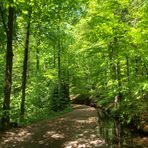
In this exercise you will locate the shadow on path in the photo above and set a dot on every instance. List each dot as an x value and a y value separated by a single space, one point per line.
77 129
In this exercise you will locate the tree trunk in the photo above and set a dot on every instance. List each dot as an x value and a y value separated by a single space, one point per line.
8 72
59 51
59 63
38 60
119 80
128 75
54 56
25 64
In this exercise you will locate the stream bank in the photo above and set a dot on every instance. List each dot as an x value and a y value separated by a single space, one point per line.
137 124
117 134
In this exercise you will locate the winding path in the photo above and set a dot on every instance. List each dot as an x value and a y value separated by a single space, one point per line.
77 129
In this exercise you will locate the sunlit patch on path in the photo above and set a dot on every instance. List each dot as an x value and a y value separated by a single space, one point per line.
77 129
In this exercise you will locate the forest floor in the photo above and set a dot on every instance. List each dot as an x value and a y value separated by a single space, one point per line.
76 129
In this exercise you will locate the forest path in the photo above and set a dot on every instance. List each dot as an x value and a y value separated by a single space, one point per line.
77 129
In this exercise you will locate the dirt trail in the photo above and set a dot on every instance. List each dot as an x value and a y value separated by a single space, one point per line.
77 129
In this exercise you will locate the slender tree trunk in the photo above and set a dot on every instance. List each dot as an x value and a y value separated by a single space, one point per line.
38 60
110 60
128 75
68 77
119 80
118 71
59 62
25 64
59 51
54 56
8 72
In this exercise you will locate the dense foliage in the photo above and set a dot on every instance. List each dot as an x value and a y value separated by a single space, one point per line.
112 55
63 48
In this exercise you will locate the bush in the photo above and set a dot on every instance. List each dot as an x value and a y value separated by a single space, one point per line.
59 100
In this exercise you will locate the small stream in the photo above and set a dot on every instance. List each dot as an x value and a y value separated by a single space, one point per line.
116 136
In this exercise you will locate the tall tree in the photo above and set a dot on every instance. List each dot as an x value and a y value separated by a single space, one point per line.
59 48
25 64
9 62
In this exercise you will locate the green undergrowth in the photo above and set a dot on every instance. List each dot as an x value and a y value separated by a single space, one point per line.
43 114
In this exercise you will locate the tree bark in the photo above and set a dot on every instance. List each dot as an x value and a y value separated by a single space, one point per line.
59 63
38 60
54 56
8 72
25 65
119 80
59 51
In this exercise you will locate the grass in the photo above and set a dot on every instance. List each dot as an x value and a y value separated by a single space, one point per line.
37 115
